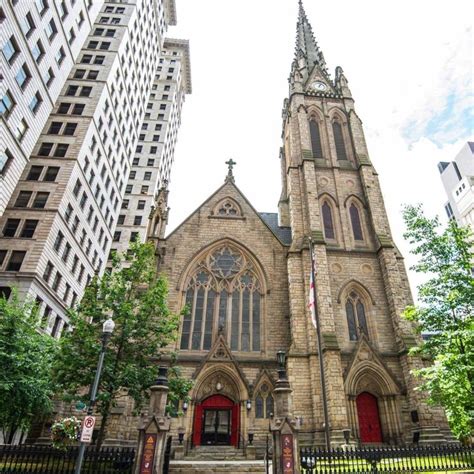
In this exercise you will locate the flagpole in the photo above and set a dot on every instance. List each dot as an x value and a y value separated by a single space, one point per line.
320 352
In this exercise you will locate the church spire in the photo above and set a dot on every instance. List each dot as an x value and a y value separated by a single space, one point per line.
307 52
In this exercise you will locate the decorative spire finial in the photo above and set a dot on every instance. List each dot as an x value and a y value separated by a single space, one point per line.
307 49
230 175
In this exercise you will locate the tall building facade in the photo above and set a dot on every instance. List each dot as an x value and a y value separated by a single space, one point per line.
458 181
154 153
40 42
59 222
244 277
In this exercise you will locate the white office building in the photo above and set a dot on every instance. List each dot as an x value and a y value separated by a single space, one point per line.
40 41
458 181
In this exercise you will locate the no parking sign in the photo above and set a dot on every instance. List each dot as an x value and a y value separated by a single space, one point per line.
87 429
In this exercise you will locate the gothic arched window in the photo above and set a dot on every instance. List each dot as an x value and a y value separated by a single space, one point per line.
264 402
327 221
223 295
315 139
355 221
356 318
339 141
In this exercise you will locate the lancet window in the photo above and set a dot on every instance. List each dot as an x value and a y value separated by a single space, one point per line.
223 296
355 221
315 139
264 402
356 318
328 221
339 141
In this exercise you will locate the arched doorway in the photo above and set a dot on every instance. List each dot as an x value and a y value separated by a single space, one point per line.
369 419
216 422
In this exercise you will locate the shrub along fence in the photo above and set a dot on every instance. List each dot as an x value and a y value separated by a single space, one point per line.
26 459
387 460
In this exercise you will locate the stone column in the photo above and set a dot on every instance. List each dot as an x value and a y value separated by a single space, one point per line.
153 429
284 428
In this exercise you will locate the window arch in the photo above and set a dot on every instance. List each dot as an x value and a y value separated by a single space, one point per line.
315 134
355 222
328 221
356 316
223 295
264 402
339 140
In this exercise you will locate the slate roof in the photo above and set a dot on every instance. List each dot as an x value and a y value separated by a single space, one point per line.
283 233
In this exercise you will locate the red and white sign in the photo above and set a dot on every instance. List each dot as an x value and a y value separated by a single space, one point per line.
87 429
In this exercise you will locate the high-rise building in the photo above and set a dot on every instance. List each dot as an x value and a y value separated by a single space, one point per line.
458 181
59 223
154 152
40 41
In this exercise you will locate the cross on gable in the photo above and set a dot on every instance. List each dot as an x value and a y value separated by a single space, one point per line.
231 163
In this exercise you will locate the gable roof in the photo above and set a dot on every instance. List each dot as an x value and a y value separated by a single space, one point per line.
269 219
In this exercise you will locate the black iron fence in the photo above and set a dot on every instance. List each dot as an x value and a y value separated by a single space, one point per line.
26 459
387 460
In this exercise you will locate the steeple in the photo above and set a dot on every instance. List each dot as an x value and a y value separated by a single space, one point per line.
307 52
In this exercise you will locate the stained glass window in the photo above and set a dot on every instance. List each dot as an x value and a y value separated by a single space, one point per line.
264 402
223 296
339 141
259 407
327 221
356 318
315 139
355 221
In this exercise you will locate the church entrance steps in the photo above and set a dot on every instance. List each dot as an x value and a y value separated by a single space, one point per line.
216 467
215 453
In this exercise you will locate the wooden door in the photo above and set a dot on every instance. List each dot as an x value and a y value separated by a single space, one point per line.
369 419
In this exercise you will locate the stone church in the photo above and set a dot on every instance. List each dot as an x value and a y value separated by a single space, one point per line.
244 276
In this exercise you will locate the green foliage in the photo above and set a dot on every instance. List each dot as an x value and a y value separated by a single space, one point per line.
179 390
26 357
446 314
135 296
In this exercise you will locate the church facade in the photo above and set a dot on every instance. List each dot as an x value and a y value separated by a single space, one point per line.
244 278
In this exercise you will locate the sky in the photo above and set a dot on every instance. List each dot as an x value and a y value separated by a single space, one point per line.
409 64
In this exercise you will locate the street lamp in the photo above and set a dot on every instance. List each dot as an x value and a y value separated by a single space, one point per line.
281 358
107 329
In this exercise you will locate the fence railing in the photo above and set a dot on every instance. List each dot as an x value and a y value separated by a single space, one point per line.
47 460
387 460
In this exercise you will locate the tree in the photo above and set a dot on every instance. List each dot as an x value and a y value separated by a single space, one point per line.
26 357
135 295
445 314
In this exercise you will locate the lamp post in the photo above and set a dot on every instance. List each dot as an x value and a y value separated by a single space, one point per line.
107 329
281 359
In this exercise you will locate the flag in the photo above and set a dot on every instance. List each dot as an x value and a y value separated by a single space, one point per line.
312 303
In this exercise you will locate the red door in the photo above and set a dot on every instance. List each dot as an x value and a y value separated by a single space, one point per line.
215 408
369 420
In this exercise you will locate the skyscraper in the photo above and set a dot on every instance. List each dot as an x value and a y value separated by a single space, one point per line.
40 42
154 152
59 223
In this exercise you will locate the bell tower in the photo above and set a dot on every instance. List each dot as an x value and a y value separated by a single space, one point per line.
331 192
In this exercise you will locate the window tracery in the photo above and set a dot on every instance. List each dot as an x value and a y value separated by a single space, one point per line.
227 208
264 402
223 295
356 316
